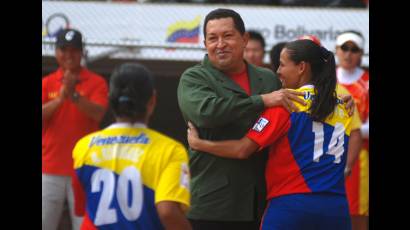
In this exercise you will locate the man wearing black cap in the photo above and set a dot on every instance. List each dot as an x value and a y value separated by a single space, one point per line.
74 100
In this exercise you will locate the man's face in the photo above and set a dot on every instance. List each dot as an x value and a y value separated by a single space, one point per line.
225 45
349 55
69 58
254 52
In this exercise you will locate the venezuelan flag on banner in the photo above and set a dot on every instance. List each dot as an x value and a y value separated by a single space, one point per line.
184 31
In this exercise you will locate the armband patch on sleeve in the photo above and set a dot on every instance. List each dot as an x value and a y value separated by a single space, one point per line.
185 176
260 124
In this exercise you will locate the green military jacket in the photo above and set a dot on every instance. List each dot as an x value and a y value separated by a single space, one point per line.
224 189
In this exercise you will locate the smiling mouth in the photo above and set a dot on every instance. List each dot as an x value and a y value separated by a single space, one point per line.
222 51
222 54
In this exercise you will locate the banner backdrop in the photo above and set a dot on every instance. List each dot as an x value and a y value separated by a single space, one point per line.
162 25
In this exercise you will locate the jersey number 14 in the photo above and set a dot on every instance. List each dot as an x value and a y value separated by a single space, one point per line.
335 146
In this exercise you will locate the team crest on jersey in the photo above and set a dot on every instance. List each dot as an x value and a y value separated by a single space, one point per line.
260 124
307 95
185 176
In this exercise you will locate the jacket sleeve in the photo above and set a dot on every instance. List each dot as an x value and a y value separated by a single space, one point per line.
200 103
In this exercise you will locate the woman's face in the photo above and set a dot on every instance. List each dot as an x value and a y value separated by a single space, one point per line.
349 55
289 72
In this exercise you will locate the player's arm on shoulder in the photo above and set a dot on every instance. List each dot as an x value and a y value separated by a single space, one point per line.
237 149
347 98
349 103
172 216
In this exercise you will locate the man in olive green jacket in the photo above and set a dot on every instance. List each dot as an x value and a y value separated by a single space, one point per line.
227 193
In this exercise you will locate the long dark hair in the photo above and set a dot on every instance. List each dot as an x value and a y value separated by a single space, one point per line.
323 68
131 86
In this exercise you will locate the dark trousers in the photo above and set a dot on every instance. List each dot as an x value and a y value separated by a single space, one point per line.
224 225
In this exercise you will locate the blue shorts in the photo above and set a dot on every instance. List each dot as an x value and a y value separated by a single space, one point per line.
307 211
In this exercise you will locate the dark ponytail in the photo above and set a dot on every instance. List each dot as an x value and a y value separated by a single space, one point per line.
325 88
323 69
131 86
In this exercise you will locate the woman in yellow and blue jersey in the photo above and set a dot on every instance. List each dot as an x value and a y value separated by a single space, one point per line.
128 176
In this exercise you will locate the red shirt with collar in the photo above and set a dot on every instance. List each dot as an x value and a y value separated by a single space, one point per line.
242 80
68 124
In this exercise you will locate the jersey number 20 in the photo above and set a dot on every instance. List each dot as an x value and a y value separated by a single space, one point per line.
129 176
335 146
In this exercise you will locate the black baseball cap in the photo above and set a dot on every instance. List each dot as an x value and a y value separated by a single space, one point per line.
69 37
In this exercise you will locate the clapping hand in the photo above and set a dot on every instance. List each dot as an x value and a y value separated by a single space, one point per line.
69 81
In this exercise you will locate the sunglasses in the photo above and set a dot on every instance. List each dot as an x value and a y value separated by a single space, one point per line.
353 49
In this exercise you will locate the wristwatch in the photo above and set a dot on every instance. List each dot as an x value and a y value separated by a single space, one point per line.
75 97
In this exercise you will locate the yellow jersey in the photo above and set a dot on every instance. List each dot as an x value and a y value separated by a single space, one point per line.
123 171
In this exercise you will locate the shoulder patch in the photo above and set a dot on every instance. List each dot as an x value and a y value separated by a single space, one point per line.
185 177
260 124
